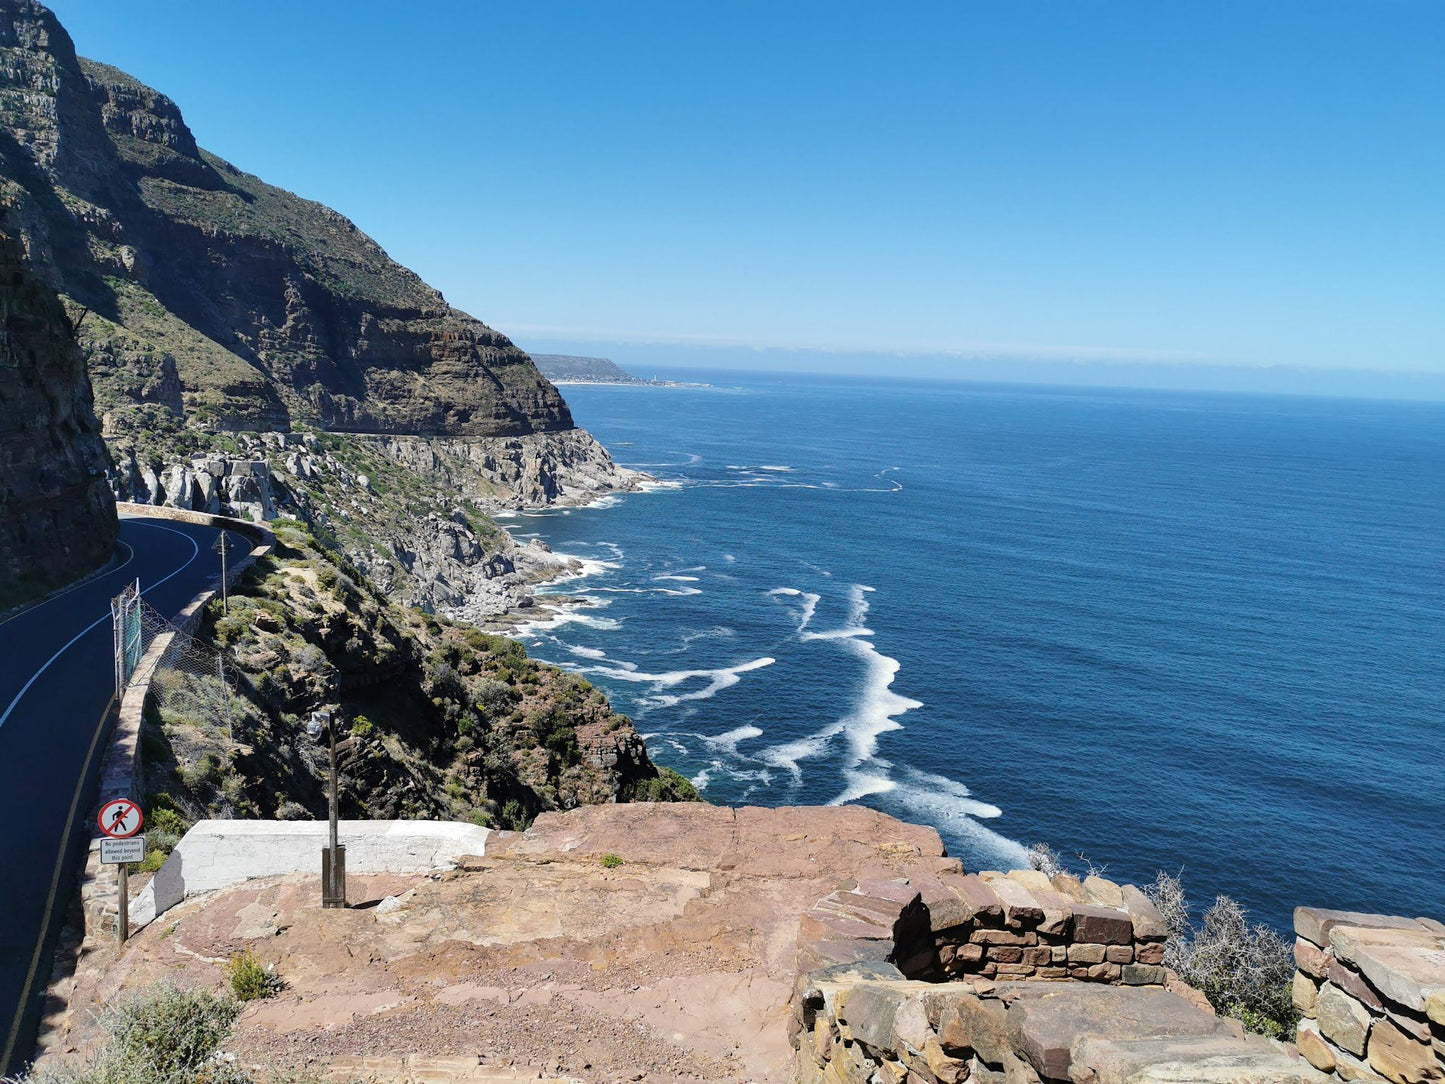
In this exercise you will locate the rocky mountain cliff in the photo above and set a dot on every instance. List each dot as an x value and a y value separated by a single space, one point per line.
57 516
214 308
213 292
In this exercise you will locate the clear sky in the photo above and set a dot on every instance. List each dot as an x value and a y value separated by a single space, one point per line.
1241 183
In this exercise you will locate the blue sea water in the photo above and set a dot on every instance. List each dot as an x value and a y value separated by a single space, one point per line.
1196 633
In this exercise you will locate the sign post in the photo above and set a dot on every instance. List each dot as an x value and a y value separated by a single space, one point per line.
120 819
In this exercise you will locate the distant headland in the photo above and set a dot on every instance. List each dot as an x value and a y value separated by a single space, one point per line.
573 369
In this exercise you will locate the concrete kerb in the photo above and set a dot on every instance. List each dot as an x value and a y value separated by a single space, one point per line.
121 764
217 854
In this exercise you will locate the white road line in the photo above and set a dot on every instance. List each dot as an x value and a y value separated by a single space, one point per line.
83 583
195 552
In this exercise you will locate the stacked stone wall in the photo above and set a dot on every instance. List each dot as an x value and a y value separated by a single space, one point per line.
1019 925
1370 990
872 1027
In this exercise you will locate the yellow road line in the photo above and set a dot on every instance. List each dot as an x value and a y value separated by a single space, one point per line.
54 890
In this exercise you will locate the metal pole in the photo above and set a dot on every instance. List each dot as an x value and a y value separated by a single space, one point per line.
333 803
225 695
122 925
225 599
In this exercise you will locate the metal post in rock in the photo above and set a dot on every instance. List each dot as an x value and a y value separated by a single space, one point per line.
333 857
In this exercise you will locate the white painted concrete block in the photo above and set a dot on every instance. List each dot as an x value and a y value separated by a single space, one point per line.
218 854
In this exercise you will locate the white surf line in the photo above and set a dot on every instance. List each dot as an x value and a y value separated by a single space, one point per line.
195 552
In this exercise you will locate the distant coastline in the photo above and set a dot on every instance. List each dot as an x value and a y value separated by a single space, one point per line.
572 369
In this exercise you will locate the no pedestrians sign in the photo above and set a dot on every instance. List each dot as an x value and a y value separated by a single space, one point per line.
120 818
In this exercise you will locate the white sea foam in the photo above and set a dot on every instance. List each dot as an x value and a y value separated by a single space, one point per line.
679 579
875 707
679 591
717 632
587 652
729 742
571 615
805 612
717 681
779 470
861 784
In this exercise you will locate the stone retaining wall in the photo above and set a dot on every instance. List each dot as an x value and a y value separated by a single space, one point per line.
120 767
1371 991
868 1025
1019 925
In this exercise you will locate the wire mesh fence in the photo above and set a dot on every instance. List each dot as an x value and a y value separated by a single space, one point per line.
190 682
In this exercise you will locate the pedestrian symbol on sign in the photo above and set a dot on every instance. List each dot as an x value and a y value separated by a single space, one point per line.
120 818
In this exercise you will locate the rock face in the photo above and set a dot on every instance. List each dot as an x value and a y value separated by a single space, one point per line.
57 516
214 292
408 511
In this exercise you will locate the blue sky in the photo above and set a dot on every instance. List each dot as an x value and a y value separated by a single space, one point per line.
1240 184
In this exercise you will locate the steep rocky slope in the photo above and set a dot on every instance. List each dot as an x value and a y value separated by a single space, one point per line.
444 720
268 308
57 517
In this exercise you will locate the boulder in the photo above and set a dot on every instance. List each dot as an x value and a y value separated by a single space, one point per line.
1102 925
1314 923
1314 1049
1303 994
1342 1019
1019 906
978 1025
869 1011
1399 1058
1149 924
1045 1029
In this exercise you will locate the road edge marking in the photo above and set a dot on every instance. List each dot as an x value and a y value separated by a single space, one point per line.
86 581
195 552
26 990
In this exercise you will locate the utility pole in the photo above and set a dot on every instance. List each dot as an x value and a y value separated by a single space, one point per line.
221 546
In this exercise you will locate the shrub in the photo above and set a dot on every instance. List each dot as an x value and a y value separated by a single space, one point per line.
250 978
514 816
362 727
170 1037
1046 860
611 861
1245 971
666 786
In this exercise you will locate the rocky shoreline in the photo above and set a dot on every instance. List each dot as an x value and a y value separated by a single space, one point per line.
412 513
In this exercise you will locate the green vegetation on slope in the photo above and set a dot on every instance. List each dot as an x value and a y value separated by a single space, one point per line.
442 720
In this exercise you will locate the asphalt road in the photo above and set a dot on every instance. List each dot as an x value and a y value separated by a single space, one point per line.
57 701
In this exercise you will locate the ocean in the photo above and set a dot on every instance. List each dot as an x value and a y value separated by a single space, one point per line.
1198 633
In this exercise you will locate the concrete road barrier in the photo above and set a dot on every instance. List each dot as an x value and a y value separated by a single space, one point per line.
218 854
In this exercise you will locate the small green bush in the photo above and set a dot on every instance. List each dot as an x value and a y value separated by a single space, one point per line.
611 861
514 816
362 727
250 978
170 1037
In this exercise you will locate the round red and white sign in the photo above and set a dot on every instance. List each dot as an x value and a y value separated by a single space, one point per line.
120 818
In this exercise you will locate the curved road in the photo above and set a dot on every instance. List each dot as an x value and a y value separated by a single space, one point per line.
57 700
